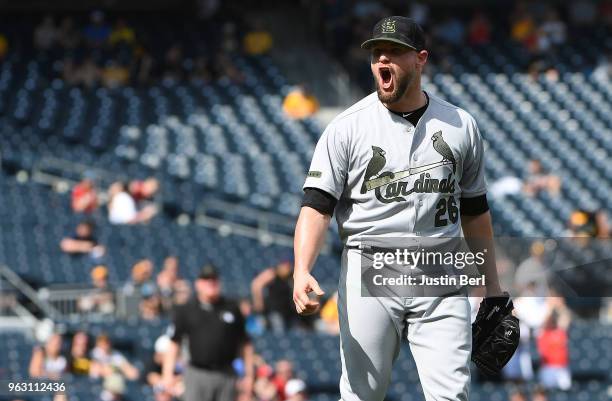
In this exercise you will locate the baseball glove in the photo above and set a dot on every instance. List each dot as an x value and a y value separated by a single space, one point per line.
495 334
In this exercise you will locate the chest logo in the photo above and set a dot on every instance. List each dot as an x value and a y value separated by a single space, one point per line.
228 317
375 179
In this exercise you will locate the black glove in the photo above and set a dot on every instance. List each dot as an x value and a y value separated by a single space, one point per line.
495 334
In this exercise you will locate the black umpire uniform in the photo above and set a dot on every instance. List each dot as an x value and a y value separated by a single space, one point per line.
216 334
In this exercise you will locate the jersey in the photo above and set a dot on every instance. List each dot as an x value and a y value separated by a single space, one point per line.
393 179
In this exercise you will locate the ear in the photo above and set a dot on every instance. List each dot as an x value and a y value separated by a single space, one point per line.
422 58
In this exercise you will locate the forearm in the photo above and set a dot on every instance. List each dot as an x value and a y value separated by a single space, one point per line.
248 357
478 232
170 360
309 238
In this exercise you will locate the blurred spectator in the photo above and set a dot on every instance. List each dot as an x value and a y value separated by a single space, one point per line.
45 34
582 12
518 395
106 361
122 207
182 292
101 298
283 372
173 63
97 32
272 291
295 390
83 241
523 28
225 69
419 12
263 388
583 223
68 37
479 30
229 41
253 324
539 394
144 190
3 46
113 388
168 283
257 41
48 362
552 32
202 70
153 372
87 74
140 292
216 335
450 30
533 271
505 186
299 103
114 74
553 346
329 316
79 362
603 71
537 180
84 197
122 34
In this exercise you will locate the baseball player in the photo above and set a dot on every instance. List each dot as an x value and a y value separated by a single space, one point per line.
399 163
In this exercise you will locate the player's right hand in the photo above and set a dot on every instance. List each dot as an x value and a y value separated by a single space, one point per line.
304 284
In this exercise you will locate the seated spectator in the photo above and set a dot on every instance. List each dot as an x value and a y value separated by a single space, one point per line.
299 103
96 34
258 41
225 68
537 180
106 361
84 198
253 323
122 207
295 390
166 282
479 31
532 271
122 34
150 308
518 395
78 358
4 47
141 283
114 74
523 28
173 63
553 346
83 241
101 298
45 34
87 74
153 372
264 389
68 37
182 292
283 372
583 223
144 190
330 322
552 32
272 291
48 362
113 388
539 394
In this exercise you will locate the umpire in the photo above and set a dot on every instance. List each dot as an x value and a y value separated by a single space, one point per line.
215 330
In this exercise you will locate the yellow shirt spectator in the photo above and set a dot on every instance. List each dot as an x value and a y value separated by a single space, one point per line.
257 42
299 104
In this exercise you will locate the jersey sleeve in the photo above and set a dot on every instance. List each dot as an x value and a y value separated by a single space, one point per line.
329 166
473 182
179 327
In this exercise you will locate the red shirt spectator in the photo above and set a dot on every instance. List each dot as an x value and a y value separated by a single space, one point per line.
552 344
84 197
479 30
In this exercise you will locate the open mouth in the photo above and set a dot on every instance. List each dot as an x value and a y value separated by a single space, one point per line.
386 77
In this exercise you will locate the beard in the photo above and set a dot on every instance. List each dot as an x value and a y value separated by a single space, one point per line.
401 86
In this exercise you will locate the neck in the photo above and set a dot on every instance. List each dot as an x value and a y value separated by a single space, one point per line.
413 99
206 299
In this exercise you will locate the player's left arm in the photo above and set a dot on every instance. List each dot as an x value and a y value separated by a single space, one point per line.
478 232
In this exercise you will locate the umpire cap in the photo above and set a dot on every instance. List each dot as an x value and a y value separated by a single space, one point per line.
401 30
